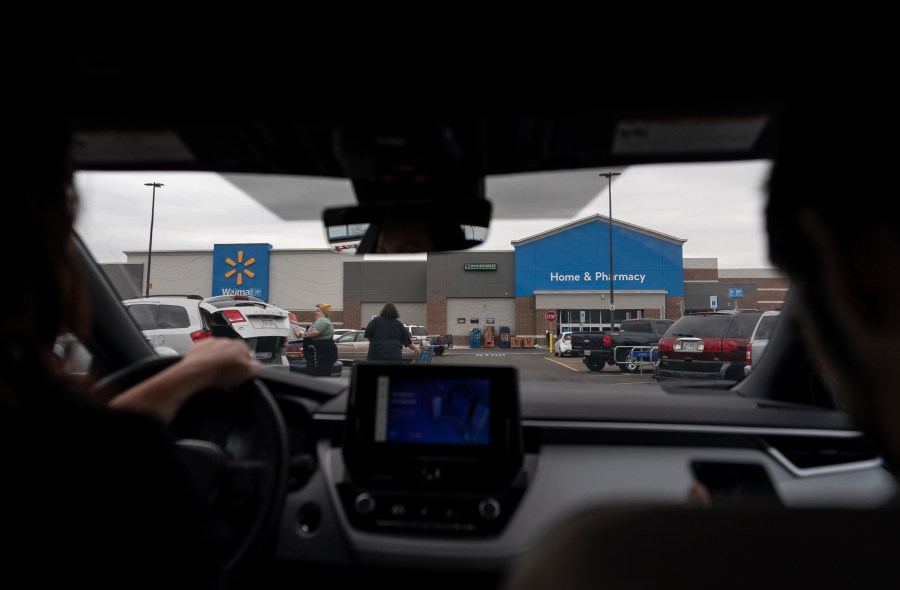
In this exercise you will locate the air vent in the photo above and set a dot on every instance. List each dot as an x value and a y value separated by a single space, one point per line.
813 455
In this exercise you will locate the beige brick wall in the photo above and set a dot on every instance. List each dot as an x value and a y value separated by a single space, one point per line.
352 317
673 311
436 322
525 315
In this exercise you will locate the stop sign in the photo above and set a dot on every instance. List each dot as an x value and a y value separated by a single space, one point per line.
551 316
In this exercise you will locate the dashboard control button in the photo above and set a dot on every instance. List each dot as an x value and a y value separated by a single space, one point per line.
364 503
489 508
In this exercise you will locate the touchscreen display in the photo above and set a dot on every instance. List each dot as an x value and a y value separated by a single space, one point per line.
439 411
433 427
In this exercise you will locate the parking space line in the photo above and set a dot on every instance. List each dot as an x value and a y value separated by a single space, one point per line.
561 364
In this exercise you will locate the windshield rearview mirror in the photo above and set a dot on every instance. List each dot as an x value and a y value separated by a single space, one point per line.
408 227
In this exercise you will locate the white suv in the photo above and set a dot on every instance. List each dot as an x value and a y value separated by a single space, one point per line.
419 335
562 346
177 321
759 339
170 321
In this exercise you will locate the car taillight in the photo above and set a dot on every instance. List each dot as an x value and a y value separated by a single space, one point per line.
234 316
666 344
293 350
607 341
200 335
749 358
712 344
733 344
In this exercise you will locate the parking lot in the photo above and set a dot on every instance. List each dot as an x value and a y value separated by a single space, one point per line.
539 364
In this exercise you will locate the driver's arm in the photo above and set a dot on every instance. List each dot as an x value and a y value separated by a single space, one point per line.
212 363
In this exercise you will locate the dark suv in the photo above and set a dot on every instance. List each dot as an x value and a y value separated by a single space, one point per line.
709 345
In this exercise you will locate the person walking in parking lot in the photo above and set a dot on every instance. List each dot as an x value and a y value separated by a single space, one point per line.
387 336
319 348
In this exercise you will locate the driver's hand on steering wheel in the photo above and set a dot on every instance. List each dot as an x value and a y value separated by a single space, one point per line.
221 363
212 363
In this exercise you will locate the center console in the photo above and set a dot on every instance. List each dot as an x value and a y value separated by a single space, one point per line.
432 449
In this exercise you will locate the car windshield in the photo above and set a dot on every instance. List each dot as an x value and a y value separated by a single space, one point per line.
686 238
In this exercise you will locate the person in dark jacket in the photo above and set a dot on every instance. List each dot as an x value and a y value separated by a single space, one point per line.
387 336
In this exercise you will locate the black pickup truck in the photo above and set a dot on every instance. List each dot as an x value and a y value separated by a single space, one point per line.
617 347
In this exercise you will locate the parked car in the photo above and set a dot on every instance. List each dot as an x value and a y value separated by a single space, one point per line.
708 345
419 334
354 346
171 321
293 350
338 332
759 339
263 326
439 343
562 346
177 321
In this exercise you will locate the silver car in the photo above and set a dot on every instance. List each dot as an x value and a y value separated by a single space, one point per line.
759 339
354 346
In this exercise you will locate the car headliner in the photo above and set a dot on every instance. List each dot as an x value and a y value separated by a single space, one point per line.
686 97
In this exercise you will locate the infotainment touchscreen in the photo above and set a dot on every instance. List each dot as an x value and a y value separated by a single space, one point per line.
432 410
441 427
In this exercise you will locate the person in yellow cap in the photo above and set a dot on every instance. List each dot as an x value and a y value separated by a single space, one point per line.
319 348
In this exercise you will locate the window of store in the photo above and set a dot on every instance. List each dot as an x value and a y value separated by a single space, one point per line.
591 320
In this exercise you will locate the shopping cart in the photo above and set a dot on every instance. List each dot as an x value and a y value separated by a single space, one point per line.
424 357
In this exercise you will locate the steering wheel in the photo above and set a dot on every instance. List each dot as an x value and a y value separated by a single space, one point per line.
235 444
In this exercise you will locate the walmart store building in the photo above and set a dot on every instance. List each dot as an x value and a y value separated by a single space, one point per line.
565 270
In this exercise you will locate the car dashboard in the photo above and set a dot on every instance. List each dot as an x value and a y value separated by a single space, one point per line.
579 448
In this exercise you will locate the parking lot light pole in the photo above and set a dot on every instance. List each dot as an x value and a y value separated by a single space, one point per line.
612 295
155 185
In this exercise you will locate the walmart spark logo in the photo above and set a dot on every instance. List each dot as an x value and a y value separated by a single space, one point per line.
243 270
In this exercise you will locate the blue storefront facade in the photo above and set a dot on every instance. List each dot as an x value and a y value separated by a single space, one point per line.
566 270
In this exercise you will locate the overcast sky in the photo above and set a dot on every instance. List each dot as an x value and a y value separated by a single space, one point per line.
717 208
